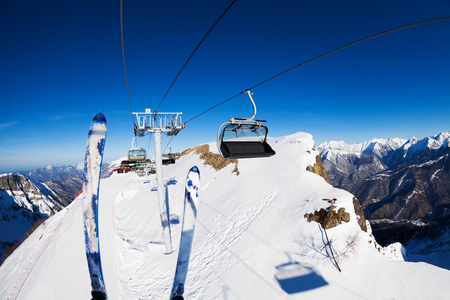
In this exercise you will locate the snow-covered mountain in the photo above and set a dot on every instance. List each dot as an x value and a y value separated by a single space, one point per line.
394 179
22 203
28 197
55 173
258 237
346 164
66 181
394 173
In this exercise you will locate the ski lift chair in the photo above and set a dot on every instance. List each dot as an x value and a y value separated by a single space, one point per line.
137 154
168 159
243 138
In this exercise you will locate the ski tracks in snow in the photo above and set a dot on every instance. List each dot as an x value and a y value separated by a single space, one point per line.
138 234
220 249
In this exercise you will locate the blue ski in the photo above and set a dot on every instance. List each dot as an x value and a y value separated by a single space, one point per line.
191 197
91 183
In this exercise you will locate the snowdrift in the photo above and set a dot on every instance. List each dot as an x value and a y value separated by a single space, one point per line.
252 240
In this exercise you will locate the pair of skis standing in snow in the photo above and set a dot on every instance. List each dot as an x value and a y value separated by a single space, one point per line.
91 180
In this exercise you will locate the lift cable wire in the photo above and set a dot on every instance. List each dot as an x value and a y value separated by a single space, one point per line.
322 55
211 108
149 142
168 143
192 54
123 56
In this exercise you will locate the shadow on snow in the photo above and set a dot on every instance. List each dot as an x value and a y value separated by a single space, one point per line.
293 277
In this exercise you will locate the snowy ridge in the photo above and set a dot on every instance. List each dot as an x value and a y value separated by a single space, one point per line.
252 240
383 147
31 195
55 173
380 146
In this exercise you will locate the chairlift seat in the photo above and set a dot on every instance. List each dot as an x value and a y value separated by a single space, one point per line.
168 159
247 149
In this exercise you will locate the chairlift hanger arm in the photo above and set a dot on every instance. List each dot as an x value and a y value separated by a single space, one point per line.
247 120
253 103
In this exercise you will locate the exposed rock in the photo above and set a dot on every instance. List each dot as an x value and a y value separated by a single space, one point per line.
211 159
329 218
359 214
319 168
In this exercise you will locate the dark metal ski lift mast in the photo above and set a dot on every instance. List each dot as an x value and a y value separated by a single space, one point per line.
243 137
156 122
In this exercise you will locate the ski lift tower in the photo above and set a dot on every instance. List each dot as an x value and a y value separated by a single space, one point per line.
156 122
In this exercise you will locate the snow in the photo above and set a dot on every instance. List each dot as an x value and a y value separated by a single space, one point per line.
251 240
382 147
364 147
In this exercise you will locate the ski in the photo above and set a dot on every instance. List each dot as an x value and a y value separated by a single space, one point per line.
91 183
191 197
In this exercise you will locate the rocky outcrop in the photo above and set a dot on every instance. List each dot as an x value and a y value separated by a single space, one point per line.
213 160
360 214
329 217
319 168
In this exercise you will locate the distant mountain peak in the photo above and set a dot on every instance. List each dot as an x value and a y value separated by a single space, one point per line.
380 147
393 178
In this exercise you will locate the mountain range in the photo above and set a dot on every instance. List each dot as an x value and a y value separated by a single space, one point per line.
28 198
399 183
22 204
66 181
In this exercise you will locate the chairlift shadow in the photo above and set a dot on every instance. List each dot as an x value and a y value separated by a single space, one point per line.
294 277
174 219
171 181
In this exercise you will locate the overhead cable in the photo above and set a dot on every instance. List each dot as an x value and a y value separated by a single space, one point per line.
192 54
123 56
317 57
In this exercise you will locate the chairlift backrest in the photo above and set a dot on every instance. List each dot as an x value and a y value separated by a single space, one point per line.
136 154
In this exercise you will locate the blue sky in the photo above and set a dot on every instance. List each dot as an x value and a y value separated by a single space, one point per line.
61 63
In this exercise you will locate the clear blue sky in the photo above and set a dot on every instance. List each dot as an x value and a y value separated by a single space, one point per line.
61 63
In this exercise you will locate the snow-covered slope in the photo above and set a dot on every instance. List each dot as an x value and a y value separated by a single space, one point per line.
252 240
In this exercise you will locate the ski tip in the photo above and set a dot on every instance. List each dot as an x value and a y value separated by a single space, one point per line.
100 117
195 169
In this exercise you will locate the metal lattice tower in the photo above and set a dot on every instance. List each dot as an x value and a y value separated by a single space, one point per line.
157 123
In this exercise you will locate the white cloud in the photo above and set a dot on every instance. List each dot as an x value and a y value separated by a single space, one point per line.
8 124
